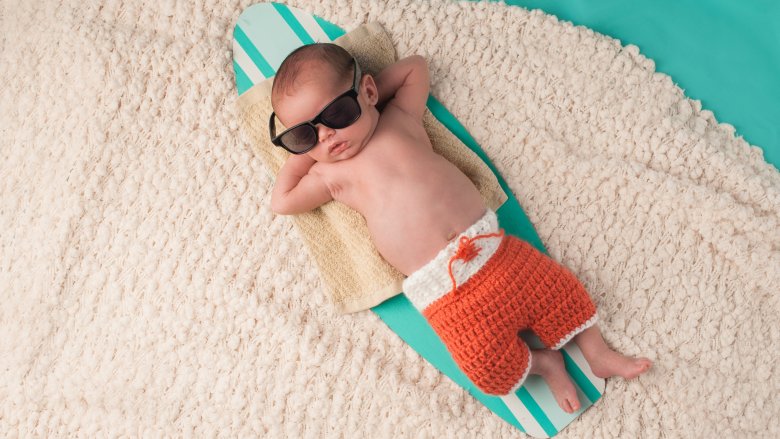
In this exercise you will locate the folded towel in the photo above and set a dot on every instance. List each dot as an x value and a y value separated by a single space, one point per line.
355 275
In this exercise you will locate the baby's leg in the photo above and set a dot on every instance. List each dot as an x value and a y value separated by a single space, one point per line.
549 364
604 361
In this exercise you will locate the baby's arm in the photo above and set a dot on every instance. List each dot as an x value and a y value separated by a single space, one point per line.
298 190
405 84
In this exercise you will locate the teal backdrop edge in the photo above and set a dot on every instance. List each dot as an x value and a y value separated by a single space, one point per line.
723 53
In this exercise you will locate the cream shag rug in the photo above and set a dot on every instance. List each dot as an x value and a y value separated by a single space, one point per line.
147 289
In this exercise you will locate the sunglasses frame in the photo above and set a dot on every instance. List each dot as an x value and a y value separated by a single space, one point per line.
352 92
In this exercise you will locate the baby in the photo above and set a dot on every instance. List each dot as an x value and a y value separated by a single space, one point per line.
360 140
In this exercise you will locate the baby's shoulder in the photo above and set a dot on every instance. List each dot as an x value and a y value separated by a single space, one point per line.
392 113
395 123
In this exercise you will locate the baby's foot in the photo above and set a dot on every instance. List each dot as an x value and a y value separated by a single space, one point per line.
614 364
549 364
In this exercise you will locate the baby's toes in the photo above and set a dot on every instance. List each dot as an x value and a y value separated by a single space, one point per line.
639 366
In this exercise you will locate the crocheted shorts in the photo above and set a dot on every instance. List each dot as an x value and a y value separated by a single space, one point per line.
503 285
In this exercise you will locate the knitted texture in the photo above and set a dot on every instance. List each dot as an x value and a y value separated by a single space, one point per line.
149 291
517 287
431 281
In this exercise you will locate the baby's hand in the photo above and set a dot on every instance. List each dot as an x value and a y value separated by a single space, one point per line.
405 84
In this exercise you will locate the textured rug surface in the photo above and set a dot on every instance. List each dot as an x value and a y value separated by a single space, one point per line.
147 289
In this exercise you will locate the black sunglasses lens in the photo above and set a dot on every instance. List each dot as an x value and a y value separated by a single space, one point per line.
341 113
300 139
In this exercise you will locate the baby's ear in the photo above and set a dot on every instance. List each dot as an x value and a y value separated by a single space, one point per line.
368 88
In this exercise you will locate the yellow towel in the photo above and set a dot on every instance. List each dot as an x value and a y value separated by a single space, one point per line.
355 275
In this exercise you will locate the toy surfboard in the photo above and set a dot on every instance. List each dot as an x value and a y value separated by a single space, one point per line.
263 36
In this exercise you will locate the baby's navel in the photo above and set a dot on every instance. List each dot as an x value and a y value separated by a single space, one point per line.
451 236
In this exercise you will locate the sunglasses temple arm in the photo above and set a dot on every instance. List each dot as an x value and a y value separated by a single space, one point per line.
358 73
272 127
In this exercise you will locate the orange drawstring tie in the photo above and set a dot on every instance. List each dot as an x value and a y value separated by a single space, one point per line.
468 251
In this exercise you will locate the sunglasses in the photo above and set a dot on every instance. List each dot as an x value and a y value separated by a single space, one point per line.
339 113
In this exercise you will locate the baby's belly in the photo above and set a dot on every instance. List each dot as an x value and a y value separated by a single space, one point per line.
410 234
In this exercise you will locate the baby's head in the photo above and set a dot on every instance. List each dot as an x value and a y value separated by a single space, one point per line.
321 84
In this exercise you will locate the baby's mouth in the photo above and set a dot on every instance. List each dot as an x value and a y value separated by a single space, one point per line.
337 148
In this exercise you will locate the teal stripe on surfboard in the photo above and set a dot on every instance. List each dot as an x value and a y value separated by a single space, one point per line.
291 21
311 26
253 53
538 413
576 369
331 29
242 80
269 33
265 33
544 397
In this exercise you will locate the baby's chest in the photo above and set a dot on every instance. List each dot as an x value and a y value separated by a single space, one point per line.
374 176
391 165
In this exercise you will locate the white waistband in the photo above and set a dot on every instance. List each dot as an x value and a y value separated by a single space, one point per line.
432 280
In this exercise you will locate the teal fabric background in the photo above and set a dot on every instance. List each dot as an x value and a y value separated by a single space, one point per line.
725 53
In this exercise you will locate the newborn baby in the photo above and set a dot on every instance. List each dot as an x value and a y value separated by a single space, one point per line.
360 140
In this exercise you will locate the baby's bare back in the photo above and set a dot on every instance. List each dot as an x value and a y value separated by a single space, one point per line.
414 200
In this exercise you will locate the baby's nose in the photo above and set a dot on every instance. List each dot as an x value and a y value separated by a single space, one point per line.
324 132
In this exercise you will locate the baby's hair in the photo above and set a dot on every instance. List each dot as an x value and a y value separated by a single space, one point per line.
330 54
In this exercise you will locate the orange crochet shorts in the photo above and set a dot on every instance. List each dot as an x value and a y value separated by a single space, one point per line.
484 288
